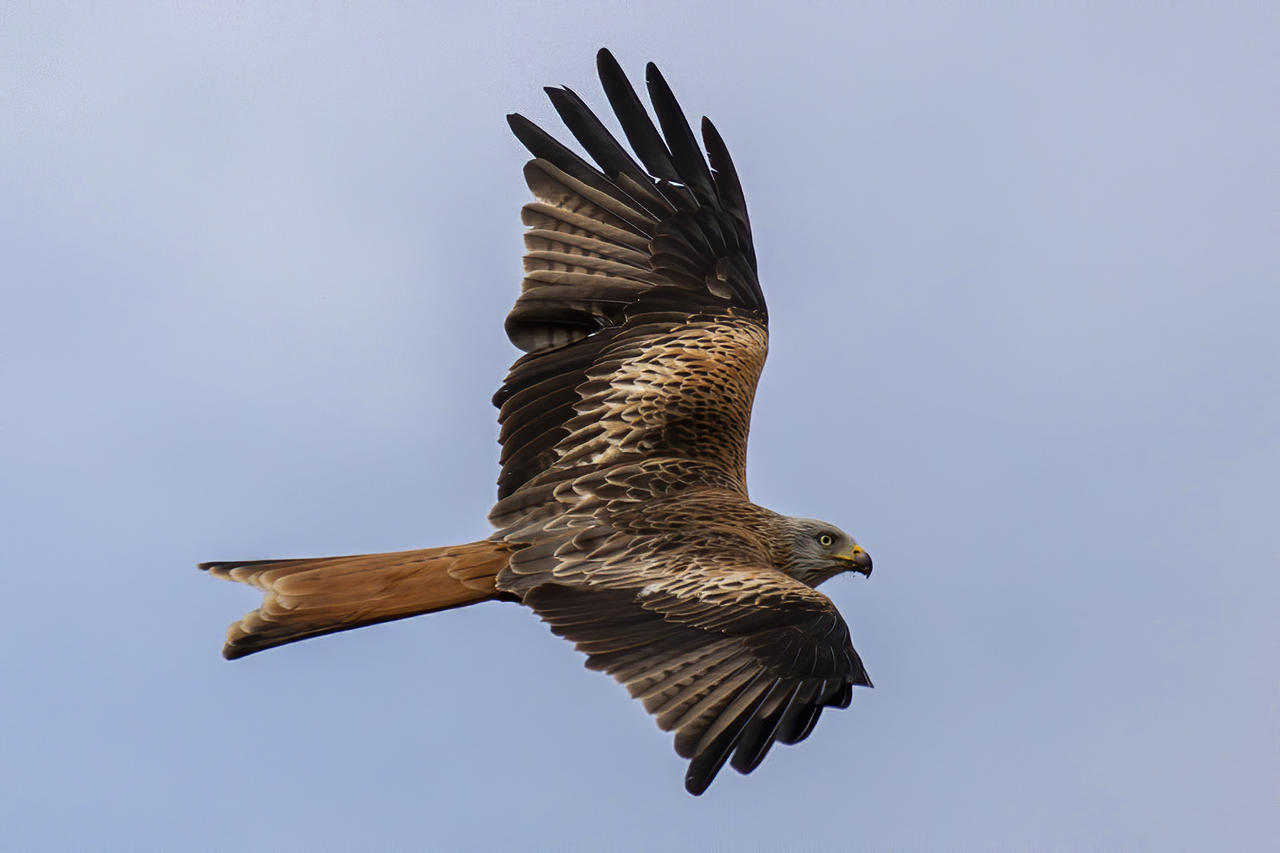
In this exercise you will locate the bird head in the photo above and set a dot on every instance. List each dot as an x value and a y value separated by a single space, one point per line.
820 551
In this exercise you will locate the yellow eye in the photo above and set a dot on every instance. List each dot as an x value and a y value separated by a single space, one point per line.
826 540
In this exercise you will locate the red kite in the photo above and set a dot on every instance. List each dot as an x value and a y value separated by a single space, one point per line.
622 517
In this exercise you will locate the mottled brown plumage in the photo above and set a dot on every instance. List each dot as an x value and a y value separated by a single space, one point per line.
622 517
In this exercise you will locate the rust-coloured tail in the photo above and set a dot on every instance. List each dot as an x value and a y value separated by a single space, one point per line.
307 598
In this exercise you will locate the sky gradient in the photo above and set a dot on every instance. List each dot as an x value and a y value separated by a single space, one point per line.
1022 271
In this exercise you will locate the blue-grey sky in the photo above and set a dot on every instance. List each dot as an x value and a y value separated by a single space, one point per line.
1022 266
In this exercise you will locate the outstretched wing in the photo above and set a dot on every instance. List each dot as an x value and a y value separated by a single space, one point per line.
732 660
641 315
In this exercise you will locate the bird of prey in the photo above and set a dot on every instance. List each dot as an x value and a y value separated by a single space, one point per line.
622 517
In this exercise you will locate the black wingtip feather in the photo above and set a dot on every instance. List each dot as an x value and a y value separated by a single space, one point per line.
636 124
689 162
605 150
726 174
762 732
544 146
706 765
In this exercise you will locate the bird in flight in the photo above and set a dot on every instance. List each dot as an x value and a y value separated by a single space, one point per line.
622 517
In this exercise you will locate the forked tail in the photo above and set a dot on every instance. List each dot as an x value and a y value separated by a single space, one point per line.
310 597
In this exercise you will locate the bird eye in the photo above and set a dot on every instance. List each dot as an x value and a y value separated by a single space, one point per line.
826 540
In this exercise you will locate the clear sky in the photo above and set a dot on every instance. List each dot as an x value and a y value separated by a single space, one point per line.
1024 276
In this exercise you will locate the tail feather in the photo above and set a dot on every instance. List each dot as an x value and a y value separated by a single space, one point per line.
309 597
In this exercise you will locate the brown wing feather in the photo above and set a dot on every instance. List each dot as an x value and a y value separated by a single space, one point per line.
731 660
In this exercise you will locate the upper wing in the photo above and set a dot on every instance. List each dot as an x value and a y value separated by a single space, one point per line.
641 313
732 660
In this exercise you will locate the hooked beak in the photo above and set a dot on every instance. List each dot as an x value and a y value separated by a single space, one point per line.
858 559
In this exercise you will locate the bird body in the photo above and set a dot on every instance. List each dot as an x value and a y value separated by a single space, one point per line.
622 517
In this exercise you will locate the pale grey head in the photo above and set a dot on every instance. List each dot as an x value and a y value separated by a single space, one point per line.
821 550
